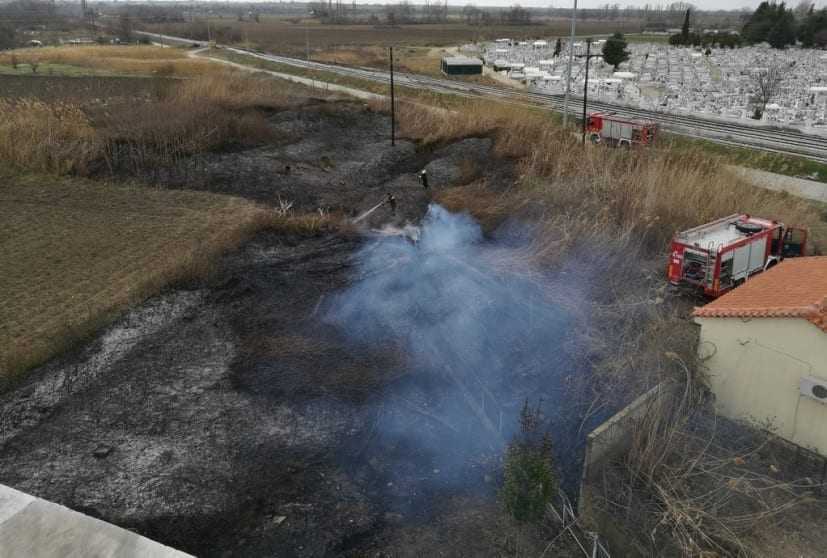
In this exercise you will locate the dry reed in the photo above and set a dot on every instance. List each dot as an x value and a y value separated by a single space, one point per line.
578 192
137 60
195 116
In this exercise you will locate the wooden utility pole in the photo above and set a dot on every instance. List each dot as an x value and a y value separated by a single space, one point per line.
393 103
588 57
306 43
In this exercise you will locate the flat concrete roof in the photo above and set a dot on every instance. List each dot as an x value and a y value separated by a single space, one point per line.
462 61
31 527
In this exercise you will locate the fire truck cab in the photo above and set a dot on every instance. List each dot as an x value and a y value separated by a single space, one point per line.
611 129
719 256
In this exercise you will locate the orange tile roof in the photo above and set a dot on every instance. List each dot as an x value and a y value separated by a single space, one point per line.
795 288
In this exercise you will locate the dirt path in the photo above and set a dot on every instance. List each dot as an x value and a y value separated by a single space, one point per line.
314 83
809 189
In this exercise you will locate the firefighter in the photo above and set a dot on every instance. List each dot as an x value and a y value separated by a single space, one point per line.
423 178
391 201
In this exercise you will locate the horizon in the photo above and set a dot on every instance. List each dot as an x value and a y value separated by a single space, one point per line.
703 5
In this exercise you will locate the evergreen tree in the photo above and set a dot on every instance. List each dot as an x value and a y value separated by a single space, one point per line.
558 46
782 32
757 28
529 480
814 23
7 35
614 50
685 28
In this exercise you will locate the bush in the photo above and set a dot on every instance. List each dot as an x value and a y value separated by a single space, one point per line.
530 481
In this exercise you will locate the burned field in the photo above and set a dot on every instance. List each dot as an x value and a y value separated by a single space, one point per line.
319 394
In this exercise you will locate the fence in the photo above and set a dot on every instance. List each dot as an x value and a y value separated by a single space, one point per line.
588 541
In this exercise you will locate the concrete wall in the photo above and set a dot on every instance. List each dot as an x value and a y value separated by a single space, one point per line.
35 528
613 437
755 366
606 442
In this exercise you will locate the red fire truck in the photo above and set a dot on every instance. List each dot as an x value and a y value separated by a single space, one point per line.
611 129
720 255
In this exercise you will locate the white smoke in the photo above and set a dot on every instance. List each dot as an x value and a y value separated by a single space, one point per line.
481 339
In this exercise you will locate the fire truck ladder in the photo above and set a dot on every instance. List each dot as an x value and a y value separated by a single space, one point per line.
709 250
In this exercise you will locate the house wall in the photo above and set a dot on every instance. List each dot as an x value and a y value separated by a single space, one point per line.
755 366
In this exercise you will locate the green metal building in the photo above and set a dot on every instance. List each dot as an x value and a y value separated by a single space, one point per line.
461 66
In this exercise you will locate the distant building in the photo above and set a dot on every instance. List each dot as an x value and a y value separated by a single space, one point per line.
461 66
765 344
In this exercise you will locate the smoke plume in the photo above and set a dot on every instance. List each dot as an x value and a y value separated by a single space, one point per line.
482 334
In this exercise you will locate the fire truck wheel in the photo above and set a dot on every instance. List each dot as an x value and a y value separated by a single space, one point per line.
595 138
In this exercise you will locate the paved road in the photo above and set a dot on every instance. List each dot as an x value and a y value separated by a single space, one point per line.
34 528
809 189
742 134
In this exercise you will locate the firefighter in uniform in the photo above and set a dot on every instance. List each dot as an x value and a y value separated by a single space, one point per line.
423 178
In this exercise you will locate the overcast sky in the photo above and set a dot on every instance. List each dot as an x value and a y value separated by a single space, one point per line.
702 4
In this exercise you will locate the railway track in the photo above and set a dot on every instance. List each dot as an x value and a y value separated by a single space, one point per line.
773 140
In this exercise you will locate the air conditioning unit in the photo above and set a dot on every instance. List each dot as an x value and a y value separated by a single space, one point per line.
814 388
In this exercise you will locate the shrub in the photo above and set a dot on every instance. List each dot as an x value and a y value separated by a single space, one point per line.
530 481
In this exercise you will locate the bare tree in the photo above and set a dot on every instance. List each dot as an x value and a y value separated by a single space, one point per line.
765 84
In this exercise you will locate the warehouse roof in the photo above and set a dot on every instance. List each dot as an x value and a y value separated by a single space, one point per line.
462 61
795 288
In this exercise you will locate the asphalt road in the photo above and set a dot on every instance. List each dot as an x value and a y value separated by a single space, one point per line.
754 136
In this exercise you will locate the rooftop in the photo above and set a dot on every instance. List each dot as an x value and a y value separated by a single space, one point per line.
462 61
795 288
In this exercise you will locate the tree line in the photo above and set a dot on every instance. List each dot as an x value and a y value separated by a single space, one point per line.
780 26
771 23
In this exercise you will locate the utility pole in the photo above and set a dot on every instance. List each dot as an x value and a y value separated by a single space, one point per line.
571 62
393 103
306 44
588 57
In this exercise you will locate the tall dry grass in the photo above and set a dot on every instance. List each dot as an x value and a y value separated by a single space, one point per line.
683 486
196 116
572 192
136 60
53 137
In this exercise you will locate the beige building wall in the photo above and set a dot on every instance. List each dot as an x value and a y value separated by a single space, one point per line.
755 368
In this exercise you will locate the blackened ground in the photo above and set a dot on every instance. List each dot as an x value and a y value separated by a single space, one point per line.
226 418
336 156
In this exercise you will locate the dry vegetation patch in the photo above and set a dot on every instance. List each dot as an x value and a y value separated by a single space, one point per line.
577 193
691 483
137 60
75 253
188 117
291 36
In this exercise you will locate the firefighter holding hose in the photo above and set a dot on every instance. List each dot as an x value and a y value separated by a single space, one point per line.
390 199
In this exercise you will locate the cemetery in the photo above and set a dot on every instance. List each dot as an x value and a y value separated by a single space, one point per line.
718 83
